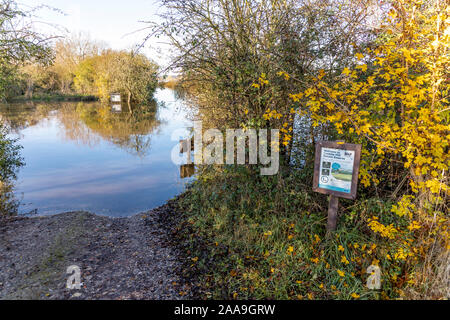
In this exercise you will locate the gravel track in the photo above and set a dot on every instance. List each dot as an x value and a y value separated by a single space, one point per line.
119 258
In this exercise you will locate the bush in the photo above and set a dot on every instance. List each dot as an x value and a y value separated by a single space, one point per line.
262 237
10 162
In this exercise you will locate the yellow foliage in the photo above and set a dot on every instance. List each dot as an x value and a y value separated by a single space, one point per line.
385 231
396 105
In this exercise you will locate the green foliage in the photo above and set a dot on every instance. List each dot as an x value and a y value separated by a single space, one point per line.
80 66
136 77
133 75
18 43
9 80
10 159
10 162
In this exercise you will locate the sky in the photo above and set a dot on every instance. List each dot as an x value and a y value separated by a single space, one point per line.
111 21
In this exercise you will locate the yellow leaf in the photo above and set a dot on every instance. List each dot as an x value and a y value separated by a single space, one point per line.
355 295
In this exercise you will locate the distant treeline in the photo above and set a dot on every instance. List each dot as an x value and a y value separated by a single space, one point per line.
79 66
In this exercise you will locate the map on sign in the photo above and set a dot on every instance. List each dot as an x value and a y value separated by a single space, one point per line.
336 169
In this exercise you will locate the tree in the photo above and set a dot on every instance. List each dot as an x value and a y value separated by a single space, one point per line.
34 75
68 54
133 75
18 43
84 76
136 77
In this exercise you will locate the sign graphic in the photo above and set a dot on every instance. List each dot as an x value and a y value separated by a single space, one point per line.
336 169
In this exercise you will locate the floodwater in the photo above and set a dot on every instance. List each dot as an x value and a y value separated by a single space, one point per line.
106 159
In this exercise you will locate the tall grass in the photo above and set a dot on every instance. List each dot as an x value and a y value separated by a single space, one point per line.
265 238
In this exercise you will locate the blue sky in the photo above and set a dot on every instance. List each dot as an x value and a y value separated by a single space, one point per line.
109 21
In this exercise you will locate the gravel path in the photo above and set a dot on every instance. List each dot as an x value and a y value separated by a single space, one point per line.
119 258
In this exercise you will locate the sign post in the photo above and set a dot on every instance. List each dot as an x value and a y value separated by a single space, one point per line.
336 168
332 213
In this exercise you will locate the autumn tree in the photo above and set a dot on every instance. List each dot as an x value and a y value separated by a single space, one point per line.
85 75
68 54
133 75
136 76
394 101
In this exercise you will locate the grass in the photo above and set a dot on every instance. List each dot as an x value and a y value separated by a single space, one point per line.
55 97
255 237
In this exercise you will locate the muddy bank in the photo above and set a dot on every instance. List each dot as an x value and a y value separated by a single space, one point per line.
119 258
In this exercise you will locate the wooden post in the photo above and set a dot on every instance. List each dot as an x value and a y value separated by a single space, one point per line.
186 145
332 213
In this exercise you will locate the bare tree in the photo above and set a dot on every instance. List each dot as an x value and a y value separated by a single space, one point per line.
222 47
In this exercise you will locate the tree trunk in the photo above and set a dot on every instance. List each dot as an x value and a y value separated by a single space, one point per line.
129 102
29 91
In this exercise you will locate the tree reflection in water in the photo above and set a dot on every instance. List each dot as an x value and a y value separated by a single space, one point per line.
89 123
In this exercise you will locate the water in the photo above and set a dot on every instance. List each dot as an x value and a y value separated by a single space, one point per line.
105 159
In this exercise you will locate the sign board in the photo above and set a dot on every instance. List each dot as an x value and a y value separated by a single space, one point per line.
336 168
116 108
115 97
187 170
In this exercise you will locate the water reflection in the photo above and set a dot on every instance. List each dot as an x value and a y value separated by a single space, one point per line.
187 170
116 108
102 158
89 123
